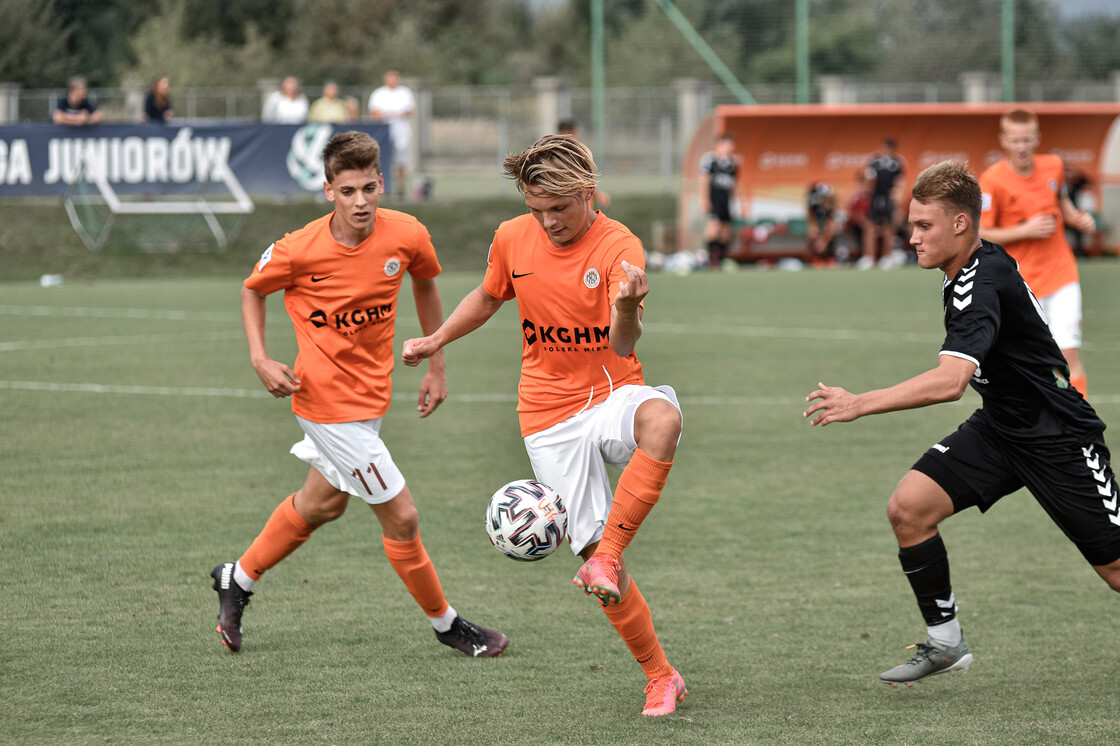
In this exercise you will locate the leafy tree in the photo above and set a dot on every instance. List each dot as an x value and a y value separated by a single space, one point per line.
98 42
33 44
1091 44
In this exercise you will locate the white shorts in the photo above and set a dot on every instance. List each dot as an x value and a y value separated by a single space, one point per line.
572 457
1063 315
352 457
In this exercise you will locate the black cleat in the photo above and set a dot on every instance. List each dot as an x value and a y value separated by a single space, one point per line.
231 602
475 641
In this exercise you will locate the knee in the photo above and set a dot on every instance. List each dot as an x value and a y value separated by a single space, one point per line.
321 510
658 428
908 516
1110 574
401 522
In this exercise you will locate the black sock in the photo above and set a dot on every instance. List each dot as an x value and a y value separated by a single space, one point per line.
927 568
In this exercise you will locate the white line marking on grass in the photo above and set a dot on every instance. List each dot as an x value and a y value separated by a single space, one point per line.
120 313
147 339
503 398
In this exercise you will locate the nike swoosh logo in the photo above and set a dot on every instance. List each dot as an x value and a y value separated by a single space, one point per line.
320 279
523 274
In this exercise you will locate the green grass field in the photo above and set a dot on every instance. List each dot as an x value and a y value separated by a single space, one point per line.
139 449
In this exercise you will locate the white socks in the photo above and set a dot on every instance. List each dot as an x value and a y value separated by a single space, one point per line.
443 623
947 634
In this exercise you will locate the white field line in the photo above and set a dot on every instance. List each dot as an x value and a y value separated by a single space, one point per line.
719 328
127 340
502 398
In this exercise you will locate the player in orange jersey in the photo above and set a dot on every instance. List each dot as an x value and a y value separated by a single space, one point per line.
1026 208
341 275
579 282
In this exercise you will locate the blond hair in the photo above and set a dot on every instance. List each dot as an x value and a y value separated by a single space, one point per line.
1018 116
557 164
954 186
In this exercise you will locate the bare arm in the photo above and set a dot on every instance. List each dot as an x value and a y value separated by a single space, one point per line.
946 382
472 312
626 313
1081 220
429 309
277 377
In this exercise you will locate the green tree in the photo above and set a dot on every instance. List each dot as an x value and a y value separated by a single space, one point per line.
33 44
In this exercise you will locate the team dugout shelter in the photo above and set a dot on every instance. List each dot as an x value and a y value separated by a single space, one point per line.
786 148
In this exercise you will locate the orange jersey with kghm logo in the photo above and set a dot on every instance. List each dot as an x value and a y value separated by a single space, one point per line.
1047 264
342 301
564 297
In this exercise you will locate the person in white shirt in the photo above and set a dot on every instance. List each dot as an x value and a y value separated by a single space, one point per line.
287 105
394 103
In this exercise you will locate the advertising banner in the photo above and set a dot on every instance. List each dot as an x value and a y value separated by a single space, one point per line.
43 159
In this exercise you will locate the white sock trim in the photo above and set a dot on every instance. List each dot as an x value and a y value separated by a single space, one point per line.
443 623
242 578
948 634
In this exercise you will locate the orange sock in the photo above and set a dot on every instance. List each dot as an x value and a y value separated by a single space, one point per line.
639 488
1081 383
634 623
411 561
281 535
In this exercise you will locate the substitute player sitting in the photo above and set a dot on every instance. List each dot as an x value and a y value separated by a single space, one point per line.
341 275
1034 429
578 279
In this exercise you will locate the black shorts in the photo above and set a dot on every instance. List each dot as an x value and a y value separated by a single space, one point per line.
721 207
882 209
1075 484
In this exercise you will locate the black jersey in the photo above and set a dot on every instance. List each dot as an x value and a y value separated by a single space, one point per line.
993 320
886 169
721 173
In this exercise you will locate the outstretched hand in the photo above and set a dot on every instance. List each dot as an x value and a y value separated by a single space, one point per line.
834 404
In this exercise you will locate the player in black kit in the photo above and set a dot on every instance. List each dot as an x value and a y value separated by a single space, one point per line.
885 169
719 169
1034 430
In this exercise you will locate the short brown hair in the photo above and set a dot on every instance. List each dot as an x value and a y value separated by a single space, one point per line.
953 185
350 151
1018 116
557 164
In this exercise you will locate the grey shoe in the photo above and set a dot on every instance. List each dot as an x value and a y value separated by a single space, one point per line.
932 658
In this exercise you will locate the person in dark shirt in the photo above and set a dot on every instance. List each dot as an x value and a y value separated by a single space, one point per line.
76 108
719 170
885 170
1034 430
157 104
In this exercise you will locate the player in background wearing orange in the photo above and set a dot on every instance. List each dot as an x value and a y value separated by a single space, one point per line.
341 275
579 282
1026 209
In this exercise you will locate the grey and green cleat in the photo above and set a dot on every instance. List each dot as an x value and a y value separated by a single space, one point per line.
932 658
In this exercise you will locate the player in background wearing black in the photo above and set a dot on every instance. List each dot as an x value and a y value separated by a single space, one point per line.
1034 430
885 169
719 171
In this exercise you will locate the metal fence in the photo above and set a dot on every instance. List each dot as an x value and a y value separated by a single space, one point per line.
472 127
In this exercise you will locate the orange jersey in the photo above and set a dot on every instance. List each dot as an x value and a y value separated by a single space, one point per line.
343 305
1010 198
564 297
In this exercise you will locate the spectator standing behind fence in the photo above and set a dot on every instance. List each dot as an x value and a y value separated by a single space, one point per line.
394 103
719 171
886 168
1025 203
287 105
329 108
157 105
77 108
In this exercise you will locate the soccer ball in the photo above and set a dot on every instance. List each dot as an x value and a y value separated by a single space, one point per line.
526 520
